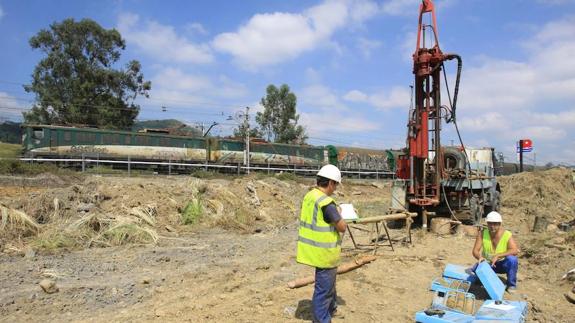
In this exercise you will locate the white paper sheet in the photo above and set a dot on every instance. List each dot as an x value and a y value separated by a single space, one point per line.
347 212
503 307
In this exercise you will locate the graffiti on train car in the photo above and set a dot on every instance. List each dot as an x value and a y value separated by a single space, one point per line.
353 160
226 156
87 149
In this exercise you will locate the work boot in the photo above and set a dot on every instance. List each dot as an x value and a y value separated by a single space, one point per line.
336 314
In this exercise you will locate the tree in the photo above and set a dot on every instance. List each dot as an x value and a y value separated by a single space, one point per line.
75 83
279 119
240 131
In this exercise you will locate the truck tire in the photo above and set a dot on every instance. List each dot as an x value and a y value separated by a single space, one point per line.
455 157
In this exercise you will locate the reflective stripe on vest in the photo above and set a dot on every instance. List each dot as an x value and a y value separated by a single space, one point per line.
318 242
501 247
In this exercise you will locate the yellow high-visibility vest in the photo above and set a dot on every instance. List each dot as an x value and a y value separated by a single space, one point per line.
319 243
488 246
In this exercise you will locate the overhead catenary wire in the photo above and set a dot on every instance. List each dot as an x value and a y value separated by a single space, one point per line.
197 102
84 105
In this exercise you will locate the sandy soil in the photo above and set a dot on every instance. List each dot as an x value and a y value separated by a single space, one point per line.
233 265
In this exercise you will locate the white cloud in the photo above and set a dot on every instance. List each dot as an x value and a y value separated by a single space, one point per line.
318 96
484 122
196 28
356 96
511 99
321 111
397 97
497 84
175 87
401 7
540 133
366 46
271 38
407 46
317 124
547 75
10 108
161 41
312 76
178 80
228 88
410 7
564 118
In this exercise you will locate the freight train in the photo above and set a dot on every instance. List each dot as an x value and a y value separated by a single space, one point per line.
50 141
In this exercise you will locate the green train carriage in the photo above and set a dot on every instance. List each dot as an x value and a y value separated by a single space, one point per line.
62 142
231 151
57 141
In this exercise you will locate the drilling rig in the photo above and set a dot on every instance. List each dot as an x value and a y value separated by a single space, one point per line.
436 179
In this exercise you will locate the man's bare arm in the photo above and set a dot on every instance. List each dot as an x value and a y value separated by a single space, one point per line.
340 225
477 246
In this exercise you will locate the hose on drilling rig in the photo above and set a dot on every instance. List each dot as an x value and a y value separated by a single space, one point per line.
453 119
457 79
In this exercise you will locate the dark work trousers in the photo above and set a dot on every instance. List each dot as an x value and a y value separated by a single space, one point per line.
508 266
323 301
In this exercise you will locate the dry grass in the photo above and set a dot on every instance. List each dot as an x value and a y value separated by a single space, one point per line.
145 213
240 219
97 229
123 233
14 221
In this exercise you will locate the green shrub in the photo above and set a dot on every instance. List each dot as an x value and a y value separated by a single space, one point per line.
52 242
285 176
200 173
192 212
17 167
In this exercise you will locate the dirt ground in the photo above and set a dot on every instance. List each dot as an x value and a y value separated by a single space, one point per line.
118 250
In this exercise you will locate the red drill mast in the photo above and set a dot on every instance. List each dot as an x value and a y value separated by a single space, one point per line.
423 164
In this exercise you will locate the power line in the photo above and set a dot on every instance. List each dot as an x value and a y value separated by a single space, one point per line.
99 106
160 99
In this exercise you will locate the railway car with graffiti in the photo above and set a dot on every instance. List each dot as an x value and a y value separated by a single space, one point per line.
50 141
62 142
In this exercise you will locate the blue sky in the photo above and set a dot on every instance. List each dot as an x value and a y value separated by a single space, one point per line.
348 62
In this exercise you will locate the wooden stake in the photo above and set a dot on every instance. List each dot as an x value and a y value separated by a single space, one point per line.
300 282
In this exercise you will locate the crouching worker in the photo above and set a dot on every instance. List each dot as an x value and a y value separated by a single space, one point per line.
319 241
497 246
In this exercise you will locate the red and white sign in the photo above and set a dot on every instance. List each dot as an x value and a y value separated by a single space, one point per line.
527 145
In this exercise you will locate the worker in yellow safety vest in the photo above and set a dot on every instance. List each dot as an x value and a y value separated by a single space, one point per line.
319 241
497 246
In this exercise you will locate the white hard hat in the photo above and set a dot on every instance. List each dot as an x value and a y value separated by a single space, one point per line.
493 217
330 172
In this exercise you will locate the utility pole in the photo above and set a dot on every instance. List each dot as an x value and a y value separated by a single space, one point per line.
521 156
247 127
